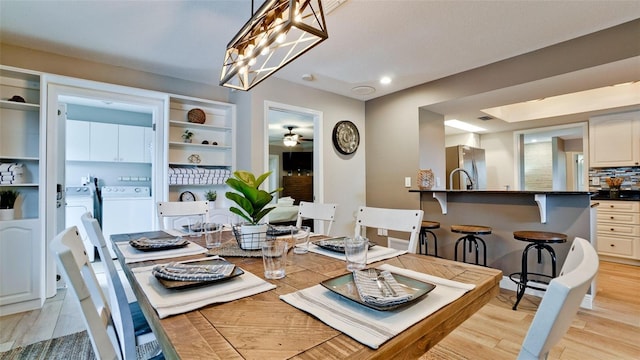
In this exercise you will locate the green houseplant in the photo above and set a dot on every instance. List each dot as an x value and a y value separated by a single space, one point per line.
7 203
211 195
187 135
251 206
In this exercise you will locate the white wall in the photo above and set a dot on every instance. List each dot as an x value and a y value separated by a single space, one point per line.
499 157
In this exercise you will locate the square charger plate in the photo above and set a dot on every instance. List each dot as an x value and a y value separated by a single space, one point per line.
178 285
335 244
345 286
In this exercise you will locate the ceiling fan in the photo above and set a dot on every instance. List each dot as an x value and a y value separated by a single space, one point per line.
291 139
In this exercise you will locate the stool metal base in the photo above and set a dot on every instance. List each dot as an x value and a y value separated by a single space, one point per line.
470 241
522 278
424 241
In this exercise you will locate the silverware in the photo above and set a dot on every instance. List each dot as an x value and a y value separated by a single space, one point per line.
373 275
382 280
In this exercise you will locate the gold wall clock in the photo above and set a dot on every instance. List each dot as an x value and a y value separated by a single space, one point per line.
346 137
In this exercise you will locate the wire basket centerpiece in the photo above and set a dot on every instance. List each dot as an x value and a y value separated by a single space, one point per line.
251 237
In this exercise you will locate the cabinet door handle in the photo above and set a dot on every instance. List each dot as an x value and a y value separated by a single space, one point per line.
611 217
612 229
612 245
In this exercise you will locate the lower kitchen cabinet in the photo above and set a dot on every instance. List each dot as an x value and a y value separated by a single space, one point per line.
20 265
618 229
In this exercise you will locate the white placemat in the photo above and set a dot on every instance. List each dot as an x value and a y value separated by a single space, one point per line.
376 253
132 254
172 302
371 327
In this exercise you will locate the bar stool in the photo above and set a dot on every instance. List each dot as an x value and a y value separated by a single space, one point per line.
425 228
538 240
470 239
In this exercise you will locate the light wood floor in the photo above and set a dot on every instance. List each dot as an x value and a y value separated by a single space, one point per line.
610 331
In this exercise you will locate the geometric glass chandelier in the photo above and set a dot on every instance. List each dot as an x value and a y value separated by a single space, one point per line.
279 32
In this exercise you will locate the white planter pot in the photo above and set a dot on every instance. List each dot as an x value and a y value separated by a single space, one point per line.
8 214
253 236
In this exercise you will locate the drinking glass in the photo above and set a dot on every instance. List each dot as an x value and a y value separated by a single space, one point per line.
301 238
355 250
274 255
213 235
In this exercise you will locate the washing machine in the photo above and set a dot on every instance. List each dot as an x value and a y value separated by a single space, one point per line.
79 200
126 209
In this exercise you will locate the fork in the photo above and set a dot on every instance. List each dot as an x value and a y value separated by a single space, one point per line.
381 279
373 275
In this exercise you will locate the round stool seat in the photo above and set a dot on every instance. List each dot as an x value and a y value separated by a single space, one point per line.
540 236
471 229
430 224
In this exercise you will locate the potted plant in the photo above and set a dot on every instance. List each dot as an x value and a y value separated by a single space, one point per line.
187 135
252 206
211 195
7 203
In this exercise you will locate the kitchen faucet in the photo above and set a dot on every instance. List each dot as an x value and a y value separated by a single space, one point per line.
469 187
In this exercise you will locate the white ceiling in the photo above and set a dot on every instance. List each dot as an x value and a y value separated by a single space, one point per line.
413 42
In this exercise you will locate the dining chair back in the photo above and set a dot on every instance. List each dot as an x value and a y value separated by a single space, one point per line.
391 219
131 326
561 301
75 266
172 214
323 213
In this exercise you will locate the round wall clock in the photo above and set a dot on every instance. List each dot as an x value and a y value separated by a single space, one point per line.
187 196
346 137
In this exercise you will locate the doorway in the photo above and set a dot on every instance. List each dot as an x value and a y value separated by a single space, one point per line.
552 158
298 162
59 91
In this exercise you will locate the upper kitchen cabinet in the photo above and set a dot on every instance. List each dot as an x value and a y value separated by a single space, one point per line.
94 141
614 140
208 157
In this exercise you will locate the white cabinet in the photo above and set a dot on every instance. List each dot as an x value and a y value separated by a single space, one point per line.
618 229
114 142
104 142
21 240
78 140
206 165
614 140
20 248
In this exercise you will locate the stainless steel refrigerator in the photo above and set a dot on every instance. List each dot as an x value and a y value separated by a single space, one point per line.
471 160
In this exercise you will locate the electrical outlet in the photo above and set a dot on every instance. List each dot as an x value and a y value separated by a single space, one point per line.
382 232
407 181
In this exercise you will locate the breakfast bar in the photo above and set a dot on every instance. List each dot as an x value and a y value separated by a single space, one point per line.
566 212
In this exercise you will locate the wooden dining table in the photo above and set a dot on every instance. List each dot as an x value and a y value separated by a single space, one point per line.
263 326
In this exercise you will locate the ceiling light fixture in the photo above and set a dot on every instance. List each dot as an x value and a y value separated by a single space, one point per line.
290 139
279 32
463 126
385 80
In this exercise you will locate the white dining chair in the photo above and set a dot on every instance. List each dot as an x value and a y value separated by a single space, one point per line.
98 317
323 213
173 214
131 326
391 219
561 301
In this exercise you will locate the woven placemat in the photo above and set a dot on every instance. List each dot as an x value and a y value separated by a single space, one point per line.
231 248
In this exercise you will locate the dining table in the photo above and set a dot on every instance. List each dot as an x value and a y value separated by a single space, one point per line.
263 326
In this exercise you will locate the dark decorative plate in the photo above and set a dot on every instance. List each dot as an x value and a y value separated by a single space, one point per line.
281 230
158 244
200 227
177 285
344 286
334 244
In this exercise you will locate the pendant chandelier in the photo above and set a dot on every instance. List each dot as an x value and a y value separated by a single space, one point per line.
279 32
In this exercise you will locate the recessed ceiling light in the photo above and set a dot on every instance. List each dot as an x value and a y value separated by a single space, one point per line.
363 90
463 125
385 80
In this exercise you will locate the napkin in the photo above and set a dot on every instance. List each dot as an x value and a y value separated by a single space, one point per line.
157 243
372 327
171 302
374 254
369 291
189 272
132 254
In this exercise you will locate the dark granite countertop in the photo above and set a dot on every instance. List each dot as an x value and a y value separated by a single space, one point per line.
625 195
504 192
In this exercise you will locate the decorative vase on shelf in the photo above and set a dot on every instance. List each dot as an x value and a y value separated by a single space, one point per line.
425 179
7 214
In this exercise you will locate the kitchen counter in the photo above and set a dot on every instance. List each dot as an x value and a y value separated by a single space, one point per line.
567 212
625 195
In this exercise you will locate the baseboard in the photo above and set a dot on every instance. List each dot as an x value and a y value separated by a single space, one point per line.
507 284
19 307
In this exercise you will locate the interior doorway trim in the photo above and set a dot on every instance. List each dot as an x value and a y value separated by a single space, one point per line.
57 86
318 166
